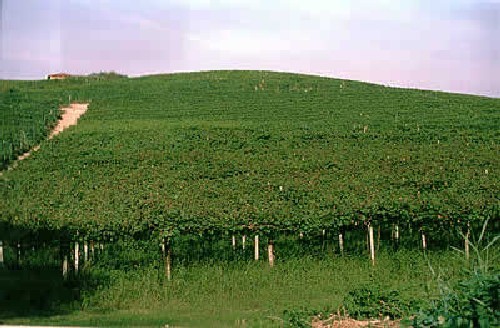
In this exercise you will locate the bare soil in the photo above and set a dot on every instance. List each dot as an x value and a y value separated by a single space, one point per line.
338 321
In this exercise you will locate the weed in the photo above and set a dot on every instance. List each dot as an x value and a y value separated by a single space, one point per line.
376 302
473 301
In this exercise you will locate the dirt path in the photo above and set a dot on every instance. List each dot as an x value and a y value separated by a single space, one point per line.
69 117
336 321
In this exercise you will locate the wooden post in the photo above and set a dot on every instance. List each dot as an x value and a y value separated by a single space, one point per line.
341 243
65 266
243 241
466 242
101 242
1 254
77 255
85 251
396 236
323 240
424 242
64 251
92 250
167 258
256 248
270 252
234 242
19 260
372 243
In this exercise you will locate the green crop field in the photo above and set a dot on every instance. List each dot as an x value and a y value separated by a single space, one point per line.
225 153
234 150
26 115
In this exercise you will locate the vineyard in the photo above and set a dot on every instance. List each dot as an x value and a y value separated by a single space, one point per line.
183 158
237 151
26 116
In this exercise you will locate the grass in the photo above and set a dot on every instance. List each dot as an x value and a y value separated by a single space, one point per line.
226 294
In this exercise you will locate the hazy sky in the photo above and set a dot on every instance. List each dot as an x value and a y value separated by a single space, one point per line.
451 45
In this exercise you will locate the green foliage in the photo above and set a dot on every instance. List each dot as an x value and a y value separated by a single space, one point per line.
26 116
106 75
376 302
249 151
215 293
481 294
474 300
302 318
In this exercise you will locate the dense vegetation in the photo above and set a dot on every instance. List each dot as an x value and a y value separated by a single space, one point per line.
26 116
257 150
125 285
200 157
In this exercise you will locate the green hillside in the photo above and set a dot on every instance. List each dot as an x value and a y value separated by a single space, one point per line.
27 112
238 150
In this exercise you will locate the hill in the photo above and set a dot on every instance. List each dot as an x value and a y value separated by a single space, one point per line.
255 150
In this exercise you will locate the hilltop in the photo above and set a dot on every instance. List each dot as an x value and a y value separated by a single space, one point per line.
239 150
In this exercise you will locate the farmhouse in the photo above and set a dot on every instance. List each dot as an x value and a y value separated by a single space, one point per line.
58 76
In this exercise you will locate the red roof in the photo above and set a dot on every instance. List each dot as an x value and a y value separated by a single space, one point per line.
59 75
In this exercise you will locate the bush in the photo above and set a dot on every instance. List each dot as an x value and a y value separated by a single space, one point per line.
474 301
374 302
107 75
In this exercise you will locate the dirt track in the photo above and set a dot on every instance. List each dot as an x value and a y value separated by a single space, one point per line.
69 117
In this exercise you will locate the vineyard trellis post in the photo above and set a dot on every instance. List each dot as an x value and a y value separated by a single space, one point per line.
167 257
466 242
395 234
92 255
64 251
243 241
256 247
424 241
65 266
85 251
76 255
1 254
270 252
323 240
341 242
19 259
372 243
233 241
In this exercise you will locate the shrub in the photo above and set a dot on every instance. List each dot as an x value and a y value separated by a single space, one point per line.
473 302
372 301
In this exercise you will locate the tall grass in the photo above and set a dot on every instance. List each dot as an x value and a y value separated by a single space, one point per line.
224 293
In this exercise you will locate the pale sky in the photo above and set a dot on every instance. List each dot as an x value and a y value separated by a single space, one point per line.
450 45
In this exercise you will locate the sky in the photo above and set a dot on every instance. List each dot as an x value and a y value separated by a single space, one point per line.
449 45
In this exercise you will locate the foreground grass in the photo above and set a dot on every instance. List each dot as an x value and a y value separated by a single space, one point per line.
226 294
